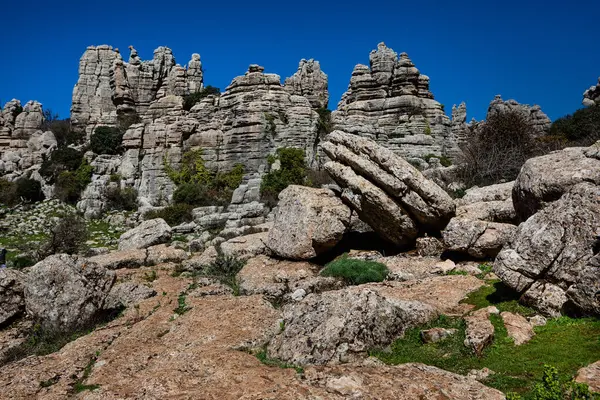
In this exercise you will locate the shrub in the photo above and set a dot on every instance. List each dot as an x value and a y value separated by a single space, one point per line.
497 149
106 140
324 125
551 388
67 236
29 189
224 269
355 272
121 199
445 161
62 159
191 99
582 128
124 121
292 171
8 192
192 169
70 184
173 215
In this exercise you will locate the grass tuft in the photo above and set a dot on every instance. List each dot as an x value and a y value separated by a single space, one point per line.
355 272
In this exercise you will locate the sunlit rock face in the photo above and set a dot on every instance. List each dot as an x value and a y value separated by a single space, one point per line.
389 101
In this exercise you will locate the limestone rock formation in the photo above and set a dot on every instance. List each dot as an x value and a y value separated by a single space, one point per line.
480 331
66 292
389 101
460 128
517 327
11 295
545 179
477 238
309 81
148 233
591 96
388 193
109 88
533 114
307 223
590 375
552 259
127 294
329 328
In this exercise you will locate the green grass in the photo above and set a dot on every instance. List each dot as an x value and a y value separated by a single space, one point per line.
565 343
182 308
355 272
79 385
262 356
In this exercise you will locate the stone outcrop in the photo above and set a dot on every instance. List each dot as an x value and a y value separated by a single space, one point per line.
480 331
127 294
545 179
66 292
309 81
109 88
329 328
552 259
591 97
148 233
308 222
517 327
11 295
388 193
389 101
533 114
479 239
590 375
460 129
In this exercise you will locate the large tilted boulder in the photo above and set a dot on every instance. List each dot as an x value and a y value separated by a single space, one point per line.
65 292
307 223
545 179
553 261
11 295
339 326
148 233
477 238
388 193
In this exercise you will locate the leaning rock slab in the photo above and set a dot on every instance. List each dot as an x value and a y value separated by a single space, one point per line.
65 292
148 233
307 223
332 327
11 294
553 252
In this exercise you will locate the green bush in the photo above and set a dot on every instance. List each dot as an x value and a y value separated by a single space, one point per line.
582 128
106 140
121 199
224 269
68 236
8 192
61 159
292 171
355 272
191 99
325 126
191 170
70 184
173 215
29 189
551 388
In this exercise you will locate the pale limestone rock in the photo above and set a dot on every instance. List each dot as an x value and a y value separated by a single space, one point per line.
429 247
66 292
390 102
590 376
497 192
435 335
480 331
551 259
533 114
545 179
591 97
309 81
127 294
148 233
308 222
477 238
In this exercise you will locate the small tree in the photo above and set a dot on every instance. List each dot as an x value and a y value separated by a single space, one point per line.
497 149
67 236
106 140
292 171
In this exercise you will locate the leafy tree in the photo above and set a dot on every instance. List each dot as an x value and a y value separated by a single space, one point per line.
29 189
292 171
582 128
62 159
106 140
191 99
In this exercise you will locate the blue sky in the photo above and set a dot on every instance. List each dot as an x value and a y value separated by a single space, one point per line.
542 52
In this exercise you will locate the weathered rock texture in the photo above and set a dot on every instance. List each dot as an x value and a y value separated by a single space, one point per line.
388 193
591 96
389 101
11 295
590 376
479 239
480 331
553 257
533 114
23 143
332 327
148 233
307 223
65 292
545 179
517 327
309 81
109 87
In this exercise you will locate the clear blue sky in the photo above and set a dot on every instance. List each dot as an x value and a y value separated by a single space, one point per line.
543 52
